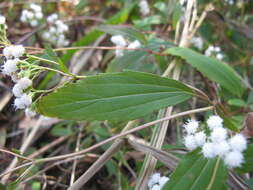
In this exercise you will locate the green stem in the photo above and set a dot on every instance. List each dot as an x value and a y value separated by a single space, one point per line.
42 59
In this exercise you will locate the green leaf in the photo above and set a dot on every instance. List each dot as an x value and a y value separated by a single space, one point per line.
131 60
114 96
128 32
51 55
81 4
162 7
236 102
137 60
148 21
250 98
247 166
213 69
177 12
196 172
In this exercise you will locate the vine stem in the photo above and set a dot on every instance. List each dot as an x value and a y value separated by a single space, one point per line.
144 126
41 50
14 154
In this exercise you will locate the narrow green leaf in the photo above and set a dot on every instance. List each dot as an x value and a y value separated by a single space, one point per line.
117 97
148 21
128 32
196 172
131 60
236 102
137 60
177 12
213 69
51 55
81 4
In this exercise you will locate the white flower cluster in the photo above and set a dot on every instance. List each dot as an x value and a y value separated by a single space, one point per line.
197 42
33 15
156 181
120 42
56 32
12 54
214 50
217 143
144 7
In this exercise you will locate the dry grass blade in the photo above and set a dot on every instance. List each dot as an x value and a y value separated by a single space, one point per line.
101 161
23 148
166 158
78 184
236 183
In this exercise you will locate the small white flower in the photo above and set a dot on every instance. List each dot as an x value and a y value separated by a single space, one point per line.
14 77
191 126
10 67
52 29
217 49
7 51
34 23
29 15
197 42
39 15
156 182
208 150
234 159
221 148
215 121
18 51
208 53
2 19
219 56
154 179
18 103
156 187
24 83
218 134
23 102
46 35
119 40
163 180
23 18
182 2
66 43
238 143
51 18
35 7
144 7
211 48
200 138
190 143
29 113
17 90
135 44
